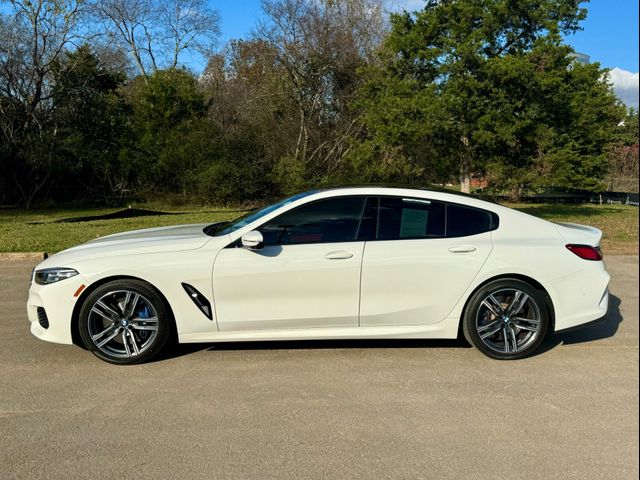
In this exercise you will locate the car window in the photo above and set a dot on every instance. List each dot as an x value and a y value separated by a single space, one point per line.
405 218
225 228
465 221
323 221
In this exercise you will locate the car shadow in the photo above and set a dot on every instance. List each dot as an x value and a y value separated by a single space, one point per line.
604 328
179 350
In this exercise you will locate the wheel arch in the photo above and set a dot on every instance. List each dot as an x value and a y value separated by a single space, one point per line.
75 331
517 276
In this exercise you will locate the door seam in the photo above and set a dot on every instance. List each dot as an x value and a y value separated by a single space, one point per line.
364 248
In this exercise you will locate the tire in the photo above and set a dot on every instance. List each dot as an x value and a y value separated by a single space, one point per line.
506 319
125 322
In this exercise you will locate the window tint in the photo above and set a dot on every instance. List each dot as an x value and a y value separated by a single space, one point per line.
464 221
324 221
409 218
225 228
369 220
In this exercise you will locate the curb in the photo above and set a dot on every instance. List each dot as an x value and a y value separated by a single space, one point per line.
21 256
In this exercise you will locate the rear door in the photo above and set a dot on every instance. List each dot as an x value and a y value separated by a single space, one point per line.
423 257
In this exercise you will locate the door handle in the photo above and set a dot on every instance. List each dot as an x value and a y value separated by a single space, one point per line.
338 255
462 249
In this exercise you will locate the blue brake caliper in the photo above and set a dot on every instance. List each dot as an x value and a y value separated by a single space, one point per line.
142 313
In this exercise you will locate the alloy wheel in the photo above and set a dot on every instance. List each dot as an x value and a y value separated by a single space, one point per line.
122 323
508 321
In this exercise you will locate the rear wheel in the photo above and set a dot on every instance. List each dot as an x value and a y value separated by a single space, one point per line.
125 322
506 319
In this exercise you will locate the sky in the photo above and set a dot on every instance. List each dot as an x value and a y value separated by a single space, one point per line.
609 35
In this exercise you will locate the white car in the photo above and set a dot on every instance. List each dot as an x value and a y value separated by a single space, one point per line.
326 264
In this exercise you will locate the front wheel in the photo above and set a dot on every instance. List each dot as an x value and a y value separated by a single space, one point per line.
506 319
125 322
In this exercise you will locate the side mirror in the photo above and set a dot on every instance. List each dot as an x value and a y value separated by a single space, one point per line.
252 239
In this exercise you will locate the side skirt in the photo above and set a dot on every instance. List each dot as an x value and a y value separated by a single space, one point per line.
447 329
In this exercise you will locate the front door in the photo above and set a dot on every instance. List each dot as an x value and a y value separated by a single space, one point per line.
306 275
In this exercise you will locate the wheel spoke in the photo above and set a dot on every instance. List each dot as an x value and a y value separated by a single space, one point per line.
107 309
98 336
514 340
130 302
145 320
493 305
522 326
505 334
115 333
150 323
136 350
102 314
518 303
489 329
125 343
534 321
151 328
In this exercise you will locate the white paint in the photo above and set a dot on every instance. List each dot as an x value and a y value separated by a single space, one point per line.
377 289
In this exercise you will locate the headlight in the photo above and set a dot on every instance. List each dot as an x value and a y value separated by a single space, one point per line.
53 275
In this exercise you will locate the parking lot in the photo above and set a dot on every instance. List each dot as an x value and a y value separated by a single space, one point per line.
357 409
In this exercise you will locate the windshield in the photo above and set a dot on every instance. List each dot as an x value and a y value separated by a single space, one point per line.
225 228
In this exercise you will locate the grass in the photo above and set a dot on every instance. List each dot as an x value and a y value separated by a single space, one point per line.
37 230
619 223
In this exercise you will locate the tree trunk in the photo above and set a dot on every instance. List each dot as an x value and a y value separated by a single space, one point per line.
465 177
465 167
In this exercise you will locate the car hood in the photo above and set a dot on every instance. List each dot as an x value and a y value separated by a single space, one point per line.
179 234
151 240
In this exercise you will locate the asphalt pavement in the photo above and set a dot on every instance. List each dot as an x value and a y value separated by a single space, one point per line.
323 410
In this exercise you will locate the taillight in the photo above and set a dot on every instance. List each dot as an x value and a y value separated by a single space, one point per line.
586 251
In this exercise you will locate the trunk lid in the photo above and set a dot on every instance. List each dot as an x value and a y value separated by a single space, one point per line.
577 234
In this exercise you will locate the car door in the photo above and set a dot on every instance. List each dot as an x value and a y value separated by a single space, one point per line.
306 275
424 257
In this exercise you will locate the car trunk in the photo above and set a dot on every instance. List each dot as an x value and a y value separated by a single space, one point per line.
574 233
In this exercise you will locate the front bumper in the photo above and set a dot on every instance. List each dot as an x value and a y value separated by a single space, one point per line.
58 302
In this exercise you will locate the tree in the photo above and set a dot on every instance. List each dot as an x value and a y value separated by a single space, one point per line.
34 35
93 124
158 32
318 46
484 84
624 155
162 105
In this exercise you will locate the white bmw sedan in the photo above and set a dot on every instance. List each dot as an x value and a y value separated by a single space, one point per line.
327 264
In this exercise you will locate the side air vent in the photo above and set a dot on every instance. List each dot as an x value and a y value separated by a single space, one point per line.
42 318
200 300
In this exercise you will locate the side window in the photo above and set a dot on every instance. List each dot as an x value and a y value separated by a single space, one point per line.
406 218
325 221
465 221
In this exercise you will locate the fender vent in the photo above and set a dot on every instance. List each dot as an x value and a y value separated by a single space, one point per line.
200 300
42 318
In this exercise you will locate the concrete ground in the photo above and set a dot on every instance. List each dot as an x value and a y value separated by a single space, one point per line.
385 409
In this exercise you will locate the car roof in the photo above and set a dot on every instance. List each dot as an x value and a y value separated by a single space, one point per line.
434 193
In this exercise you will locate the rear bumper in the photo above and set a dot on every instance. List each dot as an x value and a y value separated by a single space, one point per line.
580 298
590 324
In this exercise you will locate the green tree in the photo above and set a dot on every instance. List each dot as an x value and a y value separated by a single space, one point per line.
485 86
163 105
92 121
34 34
624 155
